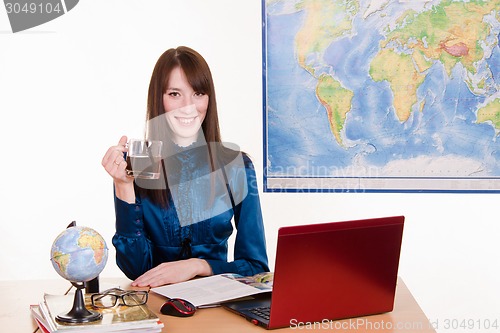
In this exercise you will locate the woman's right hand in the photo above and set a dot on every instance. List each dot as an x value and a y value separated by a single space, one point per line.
114 164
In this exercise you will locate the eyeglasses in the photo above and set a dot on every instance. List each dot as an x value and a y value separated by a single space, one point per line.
109 298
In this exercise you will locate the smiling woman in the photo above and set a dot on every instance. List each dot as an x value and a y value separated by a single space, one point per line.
177 227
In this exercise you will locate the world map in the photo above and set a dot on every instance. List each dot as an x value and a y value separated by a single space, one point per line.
381 95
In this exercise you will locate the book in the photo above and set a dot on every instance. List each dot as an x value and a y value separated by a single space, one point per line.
39 319
116 319
215 289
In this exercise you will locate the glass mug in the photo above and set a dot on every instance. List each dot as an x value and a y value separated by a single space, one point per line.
144 159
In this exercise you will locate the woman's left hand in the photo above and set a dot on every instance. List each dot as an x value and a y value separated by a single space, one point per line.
173 272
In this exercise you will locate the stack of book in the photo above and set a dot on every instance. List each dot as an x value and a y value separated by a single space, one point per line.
116 319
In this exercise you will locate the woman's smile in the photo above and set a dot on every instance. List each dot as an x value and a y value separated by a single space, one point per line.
186 121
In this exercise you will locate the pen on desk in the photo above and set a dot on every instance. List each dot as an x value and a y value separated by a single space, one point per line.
208 306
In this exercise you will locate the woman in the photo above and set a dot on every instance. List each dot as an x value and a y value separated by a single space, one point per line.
175 228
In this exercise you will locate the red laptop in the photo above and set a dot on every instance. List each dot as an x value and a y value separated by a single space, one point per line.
329 271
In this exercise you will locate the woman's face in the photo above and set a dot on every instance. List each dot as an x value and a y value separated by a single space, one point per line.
185 108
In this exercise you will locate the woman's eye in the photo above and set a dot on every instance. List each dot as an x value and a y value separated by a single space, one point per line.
174 94
199 94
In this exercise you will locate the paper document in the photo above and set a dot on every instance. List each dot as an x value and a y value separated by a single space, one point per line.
215 289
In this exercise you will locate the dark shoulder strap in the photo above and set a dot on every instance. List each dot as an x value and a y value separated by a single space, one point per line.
223 169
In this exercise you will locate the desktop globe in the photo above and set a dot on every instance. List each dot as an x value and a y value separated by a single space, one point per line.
79 254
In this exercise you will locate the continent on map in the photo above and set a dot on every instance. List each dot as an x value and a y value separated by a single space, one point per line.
448 33
317 33
336 100
324 21
403 77
490 113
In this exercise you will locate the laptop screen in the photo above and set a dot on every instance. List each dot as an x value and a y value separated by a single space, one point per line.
335 270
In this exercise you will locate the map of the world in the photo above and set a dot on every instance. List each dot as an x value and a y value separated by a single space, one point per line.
381 95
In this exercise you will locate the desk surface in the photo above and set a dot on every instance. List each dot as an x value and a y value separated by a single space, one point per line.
407 315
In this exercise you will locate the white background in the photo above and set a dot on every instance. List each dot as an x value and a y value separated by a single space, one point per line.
70 88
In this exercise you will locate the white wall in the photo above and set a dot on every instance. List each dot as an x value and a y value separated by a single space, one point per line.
72 87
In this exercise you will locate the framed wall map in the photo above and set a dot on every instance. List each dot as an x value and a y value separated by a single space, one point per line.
381 95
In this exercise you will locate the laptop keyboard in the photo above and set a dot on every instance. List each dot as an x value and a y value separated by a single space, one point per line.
262 312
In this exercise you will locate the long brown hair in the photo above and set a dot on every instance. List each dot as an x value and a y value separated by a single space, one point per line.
200 78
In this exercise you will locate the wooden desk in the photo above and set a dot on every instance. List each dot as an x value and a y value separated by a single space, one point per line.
18 295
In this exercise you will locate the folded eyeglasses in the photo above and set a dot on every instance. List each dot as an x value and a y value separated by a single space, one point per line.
109 298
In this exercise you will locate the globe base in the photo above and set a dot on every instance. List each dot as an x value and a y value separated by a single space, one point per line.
79 313
79 318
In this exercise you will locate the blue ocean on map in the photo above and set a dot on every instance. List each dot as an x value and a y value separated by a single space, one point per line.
299 142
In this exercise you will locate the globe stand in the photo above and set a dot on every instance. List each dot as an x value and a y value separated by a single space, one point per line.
79 314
